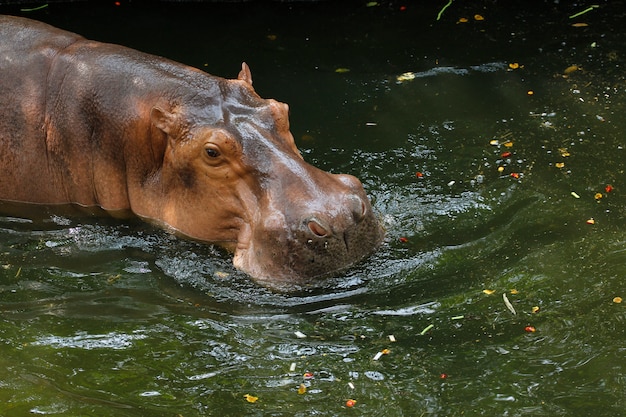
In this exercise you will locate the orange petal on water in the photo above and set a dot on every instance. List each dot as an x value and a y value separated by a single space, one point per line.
530 329
591 221
617 300
350 403
489 292
608 188
478 17
251 398
301 389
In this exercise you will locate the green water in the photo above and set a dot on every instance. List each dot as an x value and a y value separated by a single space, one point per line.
107 318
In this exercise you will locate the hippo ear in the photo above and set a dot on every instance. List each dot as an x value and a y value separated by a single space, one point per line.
163 120
245 74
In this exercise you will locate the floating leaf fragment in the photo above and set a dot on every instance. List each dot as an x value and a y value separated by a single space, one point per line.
535 309
299 334
419 174
457 317
308 375
515 175
407 76
514 291
514 65
588 9
508 144
617 300
385 351
371 4
494 142
559 165
598 196
350 403
463 20
580 25
591 221
443 376
500 169
478 17
573 193
489 292
508 304
530 329
251 398
443 9
342 70
272 37
302 389
505 154
426 329
403 240
570 69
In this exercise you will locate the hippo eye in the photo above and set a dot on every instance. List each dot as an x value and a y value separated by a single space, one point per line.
212 152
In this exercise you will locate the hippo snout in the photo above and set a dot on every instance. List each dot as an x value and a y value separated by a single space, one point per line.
355 209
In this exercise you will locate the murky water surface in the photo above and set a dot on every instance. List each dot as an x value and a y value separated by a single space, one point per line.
488 164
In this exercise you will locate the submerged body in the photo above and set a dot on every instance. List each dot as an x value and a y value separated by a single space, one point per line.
101 125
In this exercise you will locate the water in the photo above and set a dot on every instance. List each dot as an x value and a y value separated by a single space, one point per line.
102 317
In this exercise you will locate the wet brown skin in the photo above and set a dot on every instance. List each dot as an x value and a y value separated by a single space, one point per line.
101 125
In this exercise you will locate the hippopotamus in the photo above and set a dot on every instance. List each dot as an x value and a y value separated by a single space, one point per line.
99 125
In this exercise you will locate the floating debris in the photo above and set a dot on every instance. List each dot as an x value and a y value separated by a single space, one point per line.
508 304
587 10
251 398
407 76
426 329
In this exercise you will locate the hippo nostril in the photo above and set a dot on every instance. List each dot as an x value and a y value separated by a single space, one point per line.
357 207
317 229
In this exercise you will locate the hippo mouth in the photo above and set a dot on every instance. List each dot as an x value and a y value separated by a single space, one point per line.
303 256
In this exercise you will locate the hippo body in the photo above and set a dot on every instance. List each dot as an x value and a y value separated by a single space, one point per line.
101 125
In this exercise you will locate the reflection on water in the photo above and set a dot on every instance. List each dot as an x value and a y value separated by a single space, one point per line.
484 190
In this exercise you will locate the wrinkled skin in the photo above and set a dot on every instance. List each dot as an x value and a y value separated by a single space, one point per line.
101 125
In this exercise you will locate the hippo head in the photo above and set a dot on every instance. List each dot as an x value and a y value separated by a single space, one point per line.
232 175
